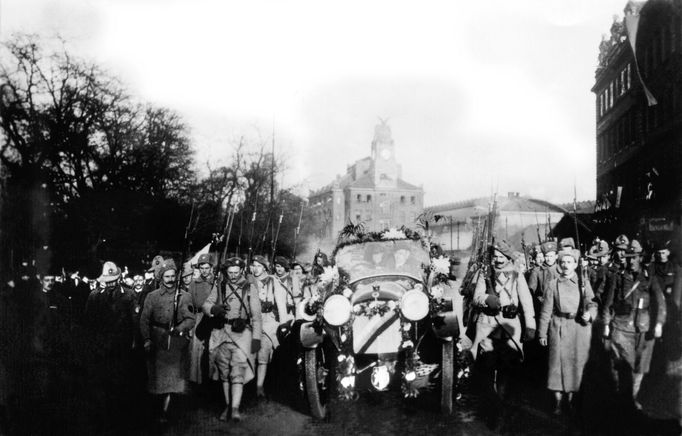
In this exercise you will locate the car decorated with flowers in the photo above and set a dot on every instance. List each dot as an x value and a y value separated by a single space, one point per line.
368 316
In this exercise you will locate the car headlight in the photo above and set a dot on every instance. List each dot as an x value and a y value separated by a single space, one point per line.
337 310
414 305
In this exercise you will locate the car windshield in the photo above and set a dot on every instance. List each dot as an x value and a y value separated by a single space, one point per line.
402 257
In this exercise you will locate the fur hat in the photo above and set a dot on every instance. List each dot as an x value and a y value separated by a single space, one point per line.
281 260
204 258
548 246
504 248
260 259
233 261
574 253
167 265
567 242
110 272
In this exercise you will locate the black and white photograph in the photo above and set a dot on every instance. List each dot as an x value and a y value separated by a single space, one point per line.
376 217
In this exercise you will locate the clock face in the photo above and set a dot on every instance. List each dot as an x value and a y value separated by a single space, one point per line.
386 154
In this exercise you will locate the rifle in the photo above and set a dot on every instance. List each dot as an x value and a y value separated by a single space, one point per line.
297 230
525 251
579 269
228 231
274 241
537 227
178 273
253 224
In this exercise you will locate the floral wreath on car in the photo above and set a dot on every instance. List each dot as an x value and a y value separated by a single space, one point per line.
415 375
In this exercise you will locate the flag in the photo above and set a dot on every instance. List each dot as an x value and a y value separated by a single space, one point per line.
632 25
195 258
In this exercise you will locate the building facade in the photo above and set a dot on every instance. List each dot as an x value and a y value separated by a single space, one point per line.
638 137
372 192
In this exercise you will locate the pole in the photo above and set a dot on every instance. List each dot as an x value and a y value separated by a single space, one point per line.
253 225
228 230
458 223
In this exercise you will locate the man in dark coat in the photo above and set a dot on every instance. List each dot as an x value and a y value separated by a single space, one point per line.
199 289
110 324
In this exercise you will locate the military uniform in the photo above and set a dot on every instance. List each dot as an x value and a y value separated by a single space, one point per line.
230 351
166 322
633 305
510 289
273 304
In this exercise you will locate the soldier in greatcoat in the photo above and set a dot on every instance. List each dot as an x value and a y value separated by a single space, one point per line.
165 325
634 312
565 326
199 289
234 308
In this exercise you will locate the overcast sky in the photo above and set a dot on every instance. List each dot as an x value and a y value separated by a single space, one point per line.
477 94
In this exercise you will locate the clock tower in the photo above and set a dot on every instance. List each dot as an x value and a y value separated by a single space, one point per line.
384 167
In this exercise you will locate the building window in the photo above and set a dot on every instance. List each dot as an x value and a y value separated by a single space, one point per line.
357 218
402 199
413 199
369 198
359 198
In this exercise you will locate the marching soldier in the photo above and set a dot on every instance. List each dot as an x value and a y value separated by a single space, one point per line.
633 313
199 290
289 285
540 277
499 304
236 337
166 322
501 298
187 276
273 309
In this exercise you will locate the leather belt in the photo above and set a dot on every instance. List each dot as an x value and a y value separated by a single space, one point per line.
567 315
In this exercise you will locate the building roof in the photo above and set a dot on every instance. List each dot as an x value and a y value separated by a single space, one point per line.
511 203
367 182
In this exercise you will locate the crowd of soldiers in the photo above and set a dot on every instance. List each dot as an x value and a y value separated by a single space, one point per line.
142 339
139 340
615 304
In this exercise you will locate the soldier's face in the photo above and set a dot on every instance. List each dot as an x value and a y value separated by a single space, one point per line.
568 265
138 282
550 258
279 270
539 258
187 279
499 259
204 270
663 255
634 263
603 260
233 274
257 269
168 278
298 271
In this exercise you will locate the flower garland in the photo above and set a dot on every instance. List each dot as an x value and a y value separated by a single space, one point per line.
375 307
355 234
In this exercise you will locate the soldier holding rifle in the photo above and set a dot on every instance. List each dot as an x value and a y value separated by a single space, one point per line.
166 321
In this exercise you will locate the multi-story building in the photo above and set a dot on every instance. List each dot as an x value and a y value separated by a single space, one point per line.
639 137
372 192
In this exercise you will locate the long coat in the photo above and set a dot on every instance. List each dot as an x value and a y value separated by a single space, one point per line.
168 362
199 290
568 339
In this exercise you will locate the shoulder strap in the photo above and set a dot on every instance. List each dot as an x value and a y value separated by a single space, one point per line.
241 298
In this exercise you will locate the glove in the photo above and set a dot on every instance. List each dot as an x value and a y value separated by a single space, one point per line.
218 310
255 345
658 330
147 346
543 341
607 331
528 335
493 301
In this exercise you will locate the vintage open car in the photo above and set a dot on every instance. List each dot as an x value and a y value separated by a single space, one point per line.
365 325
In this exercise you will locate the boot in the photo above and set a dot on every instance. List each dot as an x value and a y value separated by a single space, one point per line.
556 411
236 416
